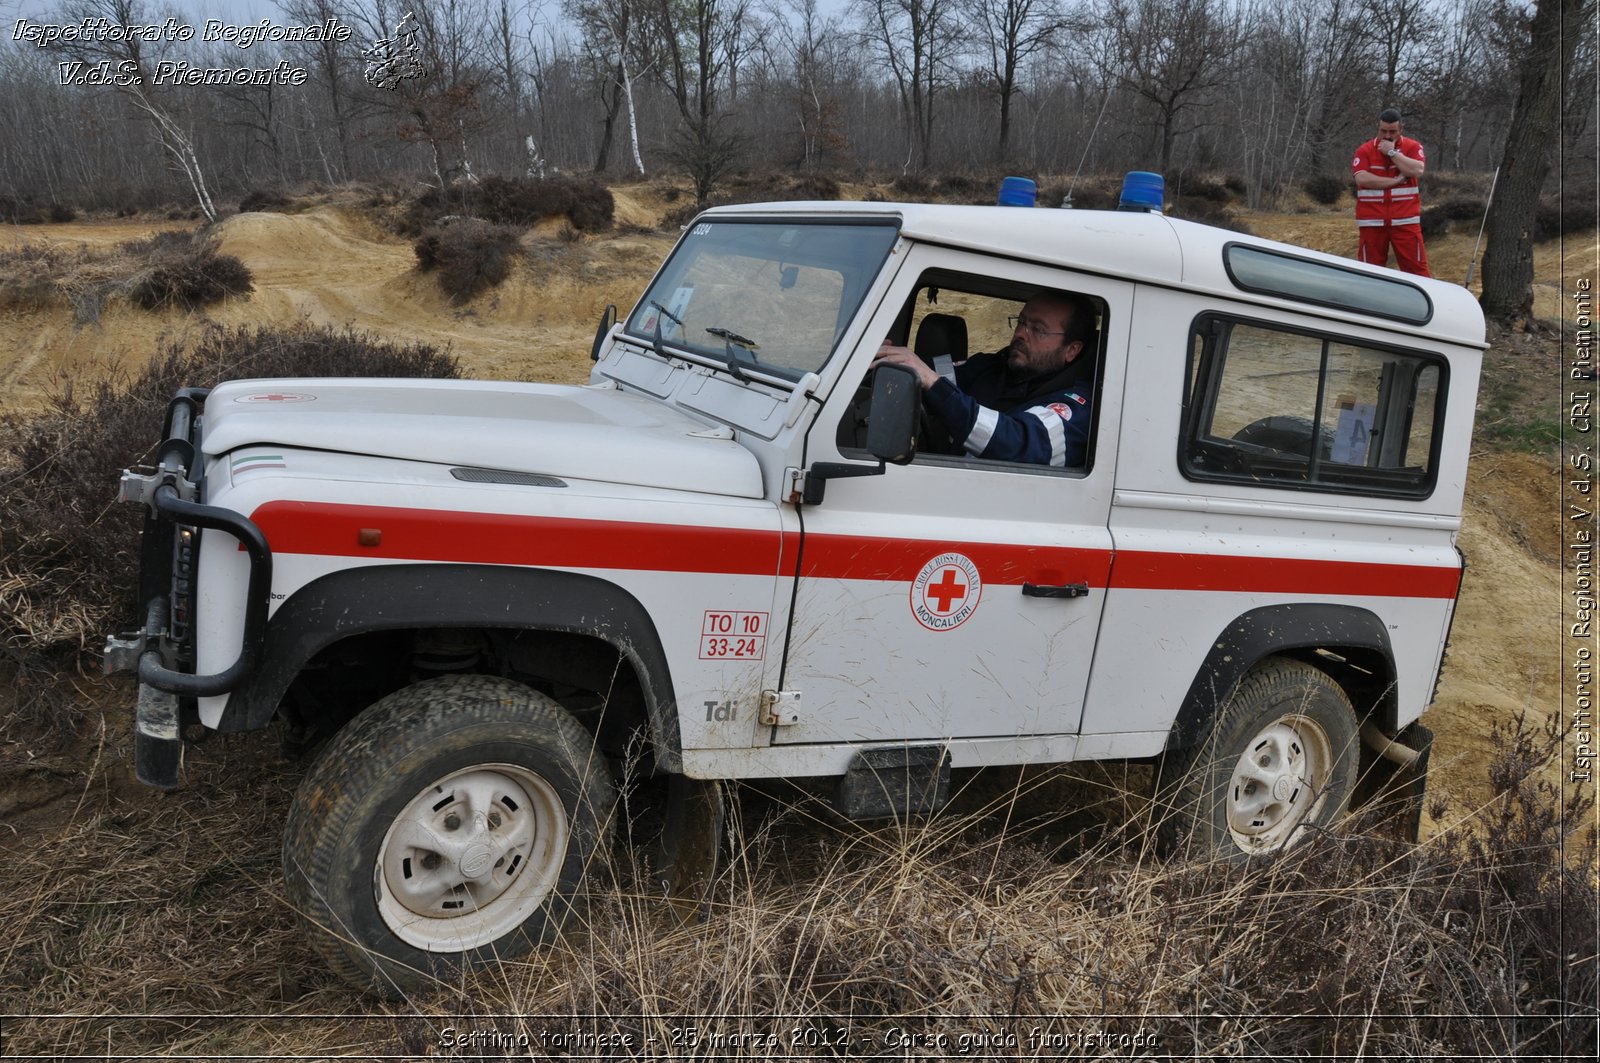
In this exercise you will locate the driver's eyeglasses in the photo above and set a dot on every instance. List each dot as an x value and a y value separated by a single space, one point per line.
1032 326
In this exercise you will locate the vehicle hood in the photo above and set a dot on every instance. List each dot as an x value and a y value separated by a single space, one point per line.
588 433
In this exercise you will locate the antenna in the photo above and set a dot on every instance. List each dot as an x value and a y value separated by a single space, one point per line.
1474 259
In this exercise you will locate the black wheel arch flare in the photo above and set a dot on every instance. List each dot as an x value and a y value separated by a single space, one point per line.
1299 630
376 598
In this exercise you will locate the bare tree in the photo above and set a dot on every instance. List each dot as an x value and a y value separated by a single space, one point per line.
333 61
441 106
608 29
1008 33
916 40
1549 38
1172 53
1402 31
694 36
808 42
127 60
1458 81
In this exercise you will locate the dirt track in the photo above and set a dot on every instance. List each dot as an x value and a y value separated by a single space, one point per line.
329 265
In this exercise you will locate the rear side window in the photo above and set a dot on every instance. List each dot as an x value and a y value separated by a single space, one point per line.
1294 409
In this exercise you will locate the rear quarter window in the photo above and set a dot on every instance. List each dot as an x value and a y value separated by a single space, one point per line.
1297 409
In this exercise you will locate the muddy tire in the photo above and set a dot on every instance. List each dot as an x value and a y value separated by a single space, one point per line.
1280 761
451 824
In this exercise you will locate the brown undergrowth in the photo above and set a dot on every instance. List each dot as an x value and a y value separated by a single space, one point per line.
1037 924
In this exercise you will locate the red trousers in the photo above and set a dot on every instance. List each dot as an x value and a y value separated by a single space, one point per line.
1406 240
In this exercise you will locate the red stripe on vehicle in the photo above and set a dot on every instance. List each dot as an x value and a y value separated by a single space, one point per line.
334 530
1150 570
900 560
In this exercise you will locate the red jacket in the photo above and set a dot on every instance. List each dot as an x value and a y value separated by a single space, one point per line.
1400 205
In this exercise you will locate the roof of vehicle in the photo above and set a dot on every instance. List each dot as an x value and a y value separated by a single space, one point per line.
1138 246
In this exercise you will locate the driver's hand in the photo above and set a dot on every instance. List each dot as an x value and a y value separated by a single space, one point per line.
889 354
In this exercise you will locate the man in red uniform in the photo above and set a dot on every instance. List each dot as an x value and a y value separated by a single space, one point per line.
1388 201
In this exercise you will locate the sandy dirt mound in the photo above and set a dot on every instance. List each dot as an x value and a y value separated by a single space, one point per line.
331 266
1504 653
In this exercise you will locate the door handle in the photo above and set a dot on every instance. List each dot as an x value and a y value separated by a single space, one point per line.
1067 590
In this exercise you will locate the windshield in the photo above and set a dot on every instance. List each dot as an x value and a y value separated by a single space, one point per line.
769 295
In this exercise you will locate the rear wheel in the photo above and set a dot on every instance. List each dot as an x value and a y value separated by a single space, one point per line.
1280 761
451 824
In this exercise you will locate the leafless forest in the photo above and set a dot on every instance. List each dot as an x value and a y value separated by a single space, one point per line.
1269 92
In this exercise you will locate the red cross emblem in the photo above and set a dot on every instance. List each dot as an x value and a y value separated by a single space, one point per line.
946 592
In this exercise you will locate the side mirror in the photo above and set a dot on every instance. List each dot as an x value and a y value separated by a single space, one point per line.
607 319
892 419
891 432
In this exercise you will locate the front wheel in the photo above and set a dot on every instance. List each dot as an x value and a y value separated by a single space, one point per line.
449 825
1280 761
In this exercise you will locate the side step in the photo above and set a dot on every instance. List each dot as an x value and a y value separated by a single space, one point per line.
894 782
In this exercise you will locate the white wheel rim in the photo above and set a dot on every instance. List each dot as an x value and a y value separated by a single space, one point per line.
1278 783
471 858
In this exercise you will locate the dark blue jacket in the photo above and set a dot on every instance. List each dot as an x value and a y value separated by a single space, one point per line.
1038 420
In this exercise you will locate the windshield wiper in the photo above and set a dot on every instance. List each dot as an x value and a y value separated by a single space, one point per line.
676 320
733 337
729 339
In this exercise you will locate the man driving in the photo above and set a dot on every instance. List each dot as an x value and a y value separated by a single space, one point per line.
1027 403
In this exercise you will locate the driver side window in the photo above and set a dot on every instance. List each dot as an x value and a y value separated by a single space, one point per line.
961 326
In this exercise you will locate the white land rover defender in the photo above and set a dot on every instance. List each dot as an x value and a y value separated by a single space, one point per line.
727 558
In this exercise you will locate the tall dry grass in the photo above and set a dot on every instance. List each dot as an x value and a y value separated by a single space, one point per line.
1035 925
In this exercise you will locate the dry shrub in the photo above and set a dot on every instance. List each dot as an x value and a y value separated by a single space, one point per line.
68 553
1452 214
776 186
468 255
1572 211
941 928
1325 188
27 209
911 186
1088 193
769 187
185 270
1208 212
1209 189
34 276
967 188
263 199
520 202
817 186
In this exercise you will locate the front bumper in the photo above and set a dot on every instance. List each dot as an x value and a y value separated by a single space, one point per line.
162 652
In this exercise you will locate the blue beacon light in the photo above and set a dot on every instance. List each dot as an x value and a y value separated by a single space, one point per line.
1017 192
1142 191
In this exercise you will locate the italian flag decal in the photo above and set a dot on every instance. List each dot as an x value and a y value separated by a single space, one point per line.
249 463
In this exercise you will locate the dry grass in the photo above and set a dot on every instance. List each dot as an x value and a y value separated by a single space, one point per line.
156 925
172 268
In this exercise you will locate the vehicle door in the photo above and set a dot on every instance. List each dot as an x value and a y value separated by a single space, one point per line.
954 597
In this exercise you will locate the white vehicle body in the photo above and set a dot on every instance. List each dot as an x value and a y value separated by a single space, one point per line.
672 509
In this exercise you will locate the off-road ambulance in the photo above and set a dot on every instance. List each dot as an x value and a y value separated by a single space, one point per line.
727 558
